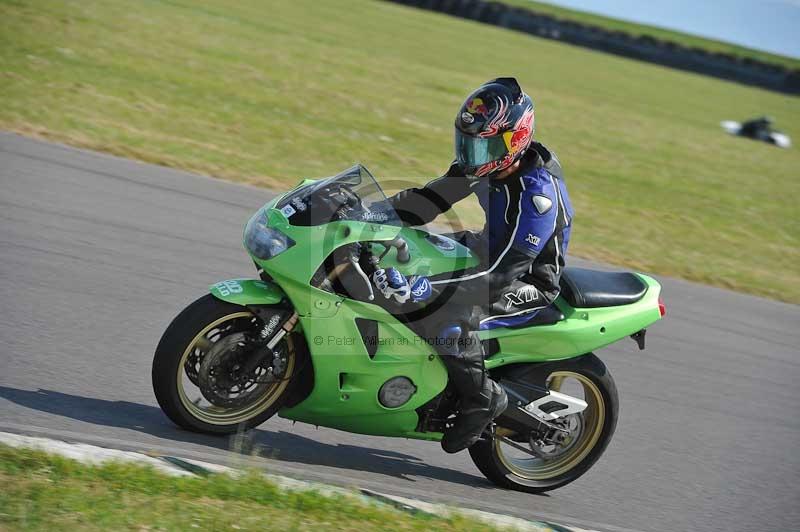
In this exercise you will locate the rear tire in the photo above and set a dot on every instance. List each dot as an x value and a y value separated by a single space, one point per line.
490 458
169 368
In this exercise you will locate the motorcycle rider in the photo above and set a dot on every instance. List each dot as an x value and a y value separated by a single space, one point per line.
522 246
756 128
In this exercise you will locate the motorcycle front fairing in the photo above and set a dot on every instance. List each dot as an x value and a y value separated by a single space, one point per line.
348 373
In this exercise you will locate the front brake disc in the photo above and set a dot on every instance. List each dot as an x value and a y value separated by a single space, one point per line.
217 378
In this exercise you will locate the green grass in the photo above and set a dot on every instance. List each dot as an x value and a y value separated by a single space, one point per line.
635 29
271 92
44 492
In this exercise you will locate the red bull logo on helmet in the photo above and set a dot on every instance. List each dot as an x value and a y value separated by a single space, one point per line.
476 107
522 133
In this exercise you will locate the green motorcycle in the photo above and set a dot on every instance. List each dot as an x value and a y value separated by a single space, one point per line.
310 341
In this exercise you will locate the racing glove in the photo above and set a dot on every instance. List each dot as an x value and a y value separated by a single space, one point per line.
393 284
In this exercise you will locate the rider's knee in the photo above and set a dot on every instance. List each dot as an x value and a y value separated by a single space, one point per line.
449 338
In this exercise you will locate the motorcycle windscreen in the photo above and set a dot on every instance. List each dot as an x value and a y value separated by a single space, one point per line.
350 195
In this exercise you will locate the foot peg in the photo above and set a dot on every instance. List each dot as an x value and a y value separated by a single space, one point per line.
488 432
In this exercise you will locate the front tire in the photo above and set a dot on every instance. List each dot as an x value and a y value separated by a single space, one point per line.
594 428
210 325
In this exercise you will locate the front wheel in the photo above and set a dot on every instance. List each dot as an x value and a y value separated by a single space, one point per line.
547 460
197 369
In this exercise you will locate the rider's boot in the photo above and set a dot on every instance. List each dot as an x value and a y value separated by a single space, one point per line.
481 399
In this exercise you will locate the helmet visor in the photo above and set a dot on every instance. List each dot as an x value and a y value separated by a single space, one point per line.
477 151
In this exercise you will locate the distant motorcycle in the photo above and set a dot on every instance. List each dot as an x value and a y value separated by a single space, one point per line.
757 129
310 342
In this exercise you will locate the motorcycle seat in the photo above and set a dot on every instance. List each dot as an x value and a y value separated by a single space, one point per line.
584 288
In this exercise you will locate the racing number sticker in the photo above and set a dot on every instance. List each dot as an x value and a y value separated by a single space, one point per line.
227 288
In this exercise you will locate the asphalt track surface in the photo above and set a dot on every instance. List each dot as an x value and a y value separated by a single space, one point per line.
98 254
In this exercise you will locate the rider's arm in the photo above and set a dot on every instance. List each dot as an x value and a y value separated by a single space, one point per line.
533 233
418 206
484 284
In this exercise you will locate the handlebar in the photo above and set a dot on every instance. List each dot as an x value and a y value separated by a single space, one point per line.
371 261
403 253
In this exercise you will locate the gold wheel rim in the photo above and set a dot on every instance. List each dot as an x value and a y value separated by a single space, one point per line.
593 420
230 416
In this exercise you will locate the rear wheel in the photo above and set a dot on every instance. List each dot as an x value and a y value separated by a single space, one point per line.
551 458
198 375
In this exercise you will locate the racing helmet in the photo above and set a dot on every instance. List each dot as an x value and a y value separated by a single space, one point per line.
494 127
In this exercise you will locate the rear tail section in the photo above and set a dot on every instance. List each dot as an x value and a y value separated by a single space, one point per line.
595 309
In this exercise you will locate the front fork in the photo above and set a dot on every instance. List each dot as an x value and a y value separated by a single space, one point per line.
266 338
267 301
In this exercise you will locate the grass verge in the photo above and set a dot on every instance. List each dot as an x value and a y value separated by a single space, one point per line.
39 491
270 92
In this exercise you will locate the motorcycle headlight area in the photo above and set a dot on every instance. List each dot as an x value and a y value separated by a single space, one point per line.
262 241
396 392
